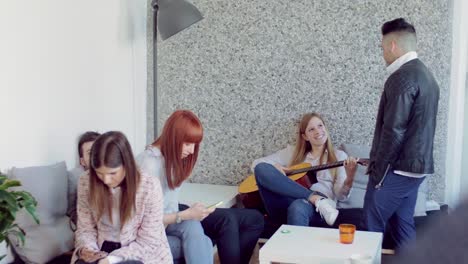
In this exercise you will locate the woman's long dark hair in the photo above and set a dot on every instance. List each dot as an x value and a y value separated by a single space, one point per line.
112 150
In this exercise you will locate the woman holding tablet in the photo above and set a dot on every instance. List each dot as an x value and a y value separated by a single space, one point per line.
171 158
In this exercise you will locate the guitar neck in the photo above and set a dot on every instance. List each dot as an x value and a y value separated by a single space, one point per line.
318 167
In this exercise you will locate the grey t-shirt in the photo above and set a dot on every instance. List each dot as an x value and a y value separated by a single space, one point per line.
73 177
151 161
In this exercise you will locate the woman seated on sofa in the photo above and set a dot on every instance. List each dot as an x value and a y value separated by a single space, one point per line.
171 158
285 199
119 209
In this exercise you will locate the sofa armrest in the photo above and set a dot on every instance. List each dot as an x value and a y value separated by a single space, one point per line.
208 194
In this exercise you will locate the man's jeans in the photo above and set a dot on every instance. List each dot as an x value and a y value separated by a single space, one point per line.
394 203
235 232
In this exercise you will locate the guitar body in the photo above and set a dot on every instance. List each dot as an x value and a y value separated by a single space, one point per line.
250 184
250 196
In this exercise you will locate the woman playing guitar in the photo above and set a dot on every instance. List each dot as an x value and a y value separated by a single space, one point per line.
285 199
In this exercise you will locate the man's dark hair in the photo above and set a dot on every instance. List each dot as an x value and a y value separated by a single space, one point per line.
397 25
89 136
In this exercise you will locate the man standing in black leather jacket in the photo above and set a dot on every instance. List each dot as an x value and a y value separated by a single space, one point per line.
401 155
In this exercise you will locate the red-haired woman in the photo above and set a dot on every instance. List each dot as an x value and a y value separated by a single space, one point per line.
120 210
171 158
286 199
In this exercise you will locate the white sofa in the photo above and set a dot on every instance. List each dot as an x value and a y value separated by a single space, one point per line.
50 185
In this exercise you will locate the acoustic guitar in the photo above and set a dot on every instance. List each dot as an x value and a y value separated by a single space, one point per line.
249 189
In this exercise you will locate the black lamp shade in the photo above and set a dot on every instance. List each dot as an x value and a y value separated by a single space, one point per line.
174 16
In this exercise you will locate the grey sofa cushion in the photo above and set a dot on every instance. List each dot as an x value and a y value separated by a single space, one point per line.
356 199
359 151
48 184
45 242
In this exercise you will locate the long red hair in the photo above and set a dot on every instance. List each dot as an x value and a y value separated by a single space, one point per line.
181 127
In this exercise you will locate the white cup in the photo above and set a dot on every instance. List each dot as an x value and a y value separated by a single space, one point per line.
360 259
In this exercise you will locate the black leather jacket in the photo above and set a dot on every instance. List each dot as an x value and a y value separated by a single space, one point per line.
406 122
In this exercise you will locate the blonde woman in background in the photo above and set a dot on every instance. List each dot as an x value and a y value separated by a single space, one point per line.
285 199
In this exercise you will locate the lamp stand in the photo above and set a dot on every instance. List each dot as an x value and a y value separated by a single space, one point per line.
155 68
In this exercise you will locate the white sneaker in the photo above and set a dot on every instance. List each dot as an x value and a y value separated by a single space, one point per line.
327 209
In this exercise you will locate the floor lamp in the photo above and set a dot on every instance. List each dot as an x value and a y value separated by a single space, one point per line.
170 17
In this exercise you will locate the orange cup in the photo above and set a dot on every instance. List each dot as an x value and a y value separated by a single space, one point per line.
347 233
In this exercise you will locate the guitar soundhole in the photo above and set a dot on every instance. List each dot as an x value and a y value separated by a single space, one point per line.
253 201
312 176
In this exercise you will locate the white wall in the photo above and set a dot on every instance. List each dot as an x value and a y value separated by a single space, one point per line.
67 67
455 179
464 170
465 136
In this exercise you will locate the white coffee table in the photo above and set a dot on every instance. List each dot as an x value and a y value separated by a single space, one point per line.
299 244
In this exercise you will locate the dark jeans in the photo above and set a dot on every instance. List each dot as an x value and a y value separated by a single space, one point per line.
108 247
285 200
392 203
234 231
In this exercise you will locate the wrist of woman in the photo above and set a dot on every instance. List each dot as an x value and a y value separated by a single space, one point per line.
185 215
350 175
348 183
78 252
